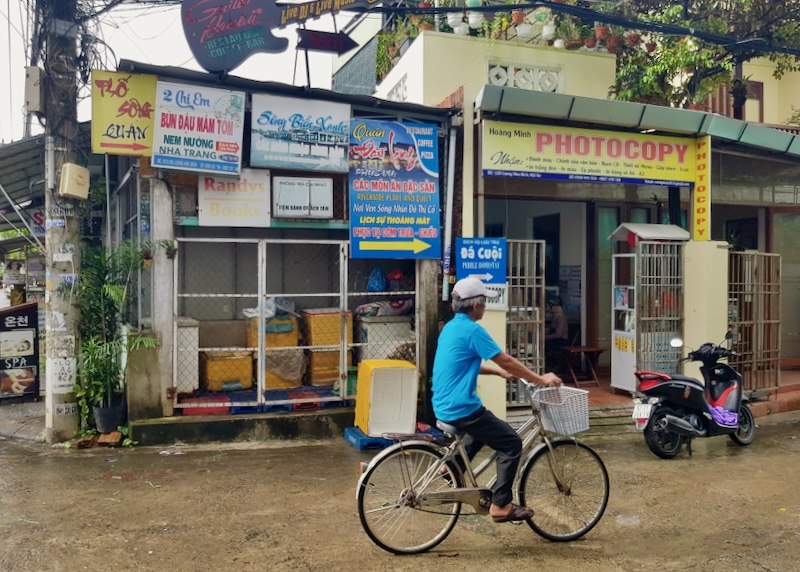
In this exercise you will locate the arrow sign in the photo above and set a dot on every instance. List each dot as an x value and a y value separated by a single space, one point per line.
131 146
483 277
325 42
416 245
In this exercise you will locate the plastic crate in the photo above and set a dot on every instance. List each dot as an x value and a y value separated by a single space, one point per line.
278 332
360 441
563 410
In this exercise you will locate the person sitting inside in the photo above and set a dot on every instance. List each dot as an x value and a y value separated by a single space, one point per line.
558 336
463 346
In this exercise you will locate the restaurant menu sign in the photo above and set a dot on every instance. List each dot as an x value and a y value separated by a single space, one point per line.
19 351
123 111
563 153
394 190
289 133
222 34
229 202
198 129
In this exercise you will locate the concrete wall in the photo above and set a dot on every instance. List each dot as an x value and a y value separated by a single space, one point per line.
437 64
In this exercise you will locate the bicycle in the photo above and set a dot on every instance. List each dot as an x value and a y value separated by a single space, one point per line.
411 494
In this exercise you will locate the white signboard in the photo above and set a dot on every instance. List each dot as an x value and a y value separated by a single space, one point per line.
291 133
225 201
61 375
198 129
296 197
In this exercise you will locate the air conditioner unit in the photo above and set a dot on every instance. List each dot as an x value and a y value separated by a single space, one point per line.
74 182
33 89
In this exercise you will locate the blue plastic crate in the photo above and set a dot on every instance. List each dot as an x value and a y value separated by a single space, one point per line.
360 441
245 409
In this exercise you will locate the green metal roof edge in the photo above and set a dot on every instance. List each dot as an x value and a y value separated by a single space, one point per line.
638 116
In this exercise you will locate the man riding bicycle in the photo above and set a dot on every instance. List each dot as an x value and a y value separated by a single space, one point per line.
463 346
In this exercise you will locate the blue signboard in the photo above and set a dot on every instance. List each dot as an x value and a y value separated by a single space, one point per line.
394 190
482 258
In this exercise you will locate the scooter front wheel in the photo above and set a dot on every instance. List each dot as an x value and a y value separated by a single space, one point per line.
747 427
660 441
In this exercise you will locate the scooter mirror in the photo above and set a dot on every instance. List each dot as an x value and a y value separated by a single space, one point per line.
728 335
676 343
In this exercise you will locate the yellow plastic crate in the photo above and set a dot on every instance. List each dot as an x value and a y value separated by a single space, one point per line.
323 326
323 367
278 332
219 368
284 368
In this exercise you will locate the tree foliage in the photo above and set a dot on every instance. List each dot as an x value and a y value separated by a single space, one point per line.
684 69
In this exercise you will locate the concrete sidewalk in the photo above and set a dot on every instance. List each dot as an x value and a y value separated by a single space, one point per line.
23 420
609 414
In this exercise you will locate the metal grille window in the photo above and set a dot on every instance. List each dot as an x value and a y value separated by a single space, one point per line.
754 289
277 325
525 320
659 307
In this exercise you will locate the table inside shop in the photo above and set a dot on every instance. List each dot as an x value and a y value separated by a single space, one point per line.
571 356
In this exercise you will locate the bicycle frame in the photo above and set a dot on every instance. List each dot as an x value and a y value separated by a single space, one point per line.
473 494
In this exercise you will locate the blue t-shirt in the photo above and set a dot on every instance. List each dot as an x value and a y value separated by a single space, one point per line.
463 345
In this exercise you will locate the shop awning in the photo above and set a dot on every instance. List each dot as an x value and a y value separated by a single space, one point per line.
644 231
635 117
22 168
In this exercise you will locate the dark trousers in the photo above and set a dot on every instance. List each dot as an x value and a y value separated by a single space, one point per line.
483 428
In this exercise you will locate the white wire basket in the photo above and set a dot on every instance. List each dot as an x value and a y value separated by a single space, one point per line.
563 410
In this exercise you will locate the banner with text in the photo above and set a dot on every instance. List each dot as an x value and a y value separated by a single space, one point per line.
290 133
19 351
198 129
587 155
123 110
394 190
701 194
297 197
225 201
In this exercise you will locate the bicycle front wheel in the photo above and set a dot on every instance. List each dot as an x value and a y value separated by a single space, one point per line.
567 489
390 506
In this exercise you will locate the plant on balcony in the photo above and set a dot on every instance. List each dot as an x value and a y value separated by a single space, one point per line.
495 25
385 55
679 71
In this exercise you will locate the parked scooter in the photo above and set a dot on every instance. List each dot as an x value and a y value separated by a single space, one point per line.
676 408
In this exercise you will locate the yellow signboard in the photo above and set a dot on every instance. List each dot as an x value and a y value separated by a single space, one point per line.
587 155
123 113
701 195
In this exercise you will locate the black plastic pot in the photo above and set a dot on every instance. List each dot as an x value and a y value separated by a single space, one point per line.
107 419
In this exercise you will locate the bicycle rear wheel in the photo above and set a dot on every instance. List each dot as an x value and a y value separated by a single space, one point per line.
568 511
389 504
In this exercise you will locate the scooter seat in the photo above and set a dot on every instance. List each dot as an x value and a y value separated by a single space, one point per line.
678 377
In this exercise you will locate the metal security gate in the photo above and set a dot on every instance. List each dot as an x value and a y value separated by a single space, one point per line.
659 305
754 291
526 302
279 325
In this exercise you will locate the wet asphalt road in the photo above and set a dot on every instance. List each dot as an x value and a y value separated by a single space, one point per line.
291 506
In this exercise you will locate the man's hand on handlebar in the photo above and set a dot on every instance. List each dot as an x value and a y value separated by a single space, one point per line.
551 379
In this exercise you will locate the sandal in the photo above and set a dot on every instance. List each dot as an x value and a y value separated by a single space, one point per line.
517 513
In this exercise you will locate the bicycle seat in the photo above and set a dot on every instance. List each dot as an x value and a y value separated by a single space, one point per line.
450 429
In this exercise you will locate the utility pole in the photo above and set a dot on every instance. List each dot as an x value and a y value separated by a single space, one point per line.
60 89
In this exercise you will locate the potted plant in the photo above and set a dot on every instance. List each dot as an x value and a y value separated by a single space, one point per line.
104 290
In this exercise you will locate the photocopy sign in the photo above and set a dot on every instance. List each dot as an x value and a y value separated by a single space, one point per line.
586 155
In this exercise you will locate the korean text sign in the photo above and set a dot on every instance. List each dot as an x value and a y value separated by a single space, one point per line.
394 190
19 350
198 129
562 153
